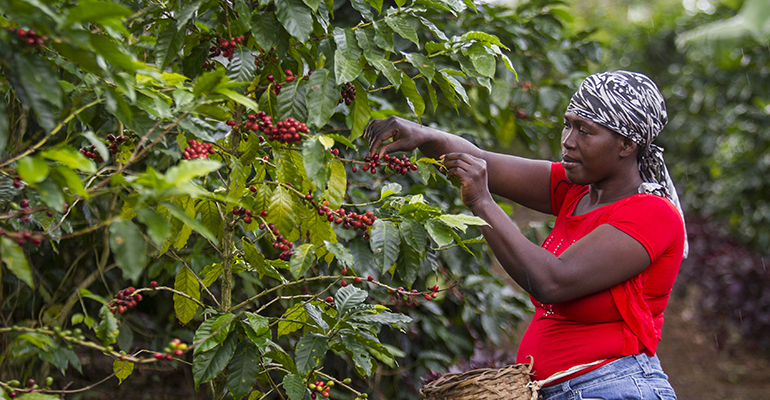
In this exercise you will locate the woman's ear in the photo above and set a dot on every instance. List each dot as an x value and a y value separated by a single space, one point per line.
629 148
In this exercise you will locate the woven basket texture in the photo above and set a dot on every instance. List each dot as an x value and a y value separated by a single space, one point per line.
509 383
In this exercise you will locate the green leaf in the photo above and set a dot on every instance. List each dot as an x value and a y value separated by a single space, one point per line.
315 156
435 30
388 69
291 101
187 283
316 315
440 233
348 298
385 242
294 386
122 369
67 178
461 221
211 273
456 85
51 194
36 73
368 45
346 58
279 354
414 235
240 99
189 9
422 63
128 246
15 260
359 354
413 98
483 37
190 222
209 82
337 185
309 351
362 7
158 228
107 330
97 11
209 216
33 169
237 178
296 17
361 111
482 59
170 42
389 190
222 324
242 67
243 369
256 261
341 253
71 158
113 54
400 25
321 97
208 365
265 29
301 260
385 318
188 169
292 320
281 210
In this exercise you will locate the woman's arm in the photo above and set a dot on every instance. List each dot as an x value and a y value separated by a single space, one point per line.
519 179
605 257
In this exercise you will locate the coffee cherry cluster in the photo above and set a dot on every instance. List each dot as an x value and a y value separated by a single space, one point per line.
290 76
288 130
175 348
90 152
115 142
320 388
31 387
400 165
21 237
246 215
279 242
348 93
197 149
224 47
30 37
410 298
125 300
348 220
17 182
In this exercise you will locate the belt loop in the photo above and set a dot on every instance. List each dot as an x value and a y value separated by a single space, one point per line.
644 363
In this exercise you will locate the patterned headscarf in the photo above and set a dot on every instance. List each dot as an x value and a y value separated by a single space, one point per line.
630 104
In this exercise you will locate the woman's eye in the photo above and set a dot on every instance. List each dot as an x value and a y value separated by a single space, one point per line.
583 131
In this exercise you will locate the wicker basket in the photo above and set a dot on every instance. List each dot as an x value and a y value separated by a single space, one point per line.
509 383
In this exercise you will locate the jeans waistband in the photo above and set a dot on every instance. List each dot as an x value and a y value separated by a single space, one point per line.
621 367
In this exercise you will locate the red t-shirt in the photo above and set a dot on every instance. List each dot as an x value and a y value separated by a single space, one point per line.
623 320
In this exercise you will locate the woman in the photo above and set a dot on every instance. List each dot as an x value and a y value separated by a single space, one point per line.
601 280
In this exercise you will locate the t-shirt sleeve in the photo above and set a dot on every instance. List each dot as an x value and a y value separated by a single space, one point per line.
559 187
652 220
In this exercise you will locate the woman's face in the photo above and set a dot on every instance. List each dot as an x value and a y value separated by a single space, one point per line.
590 152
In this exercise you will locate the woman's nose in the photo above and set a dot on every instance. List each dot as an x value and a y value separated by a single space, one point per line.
567 138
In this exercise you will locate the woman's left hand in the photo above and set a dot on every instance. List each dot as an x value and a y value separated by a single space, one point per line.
472 173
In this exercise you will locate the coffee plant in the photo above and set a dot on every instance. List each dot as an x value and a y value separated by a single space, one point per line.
182 187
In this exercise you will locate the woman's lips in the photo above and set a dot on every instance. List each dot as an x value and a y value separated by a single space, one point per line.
569 162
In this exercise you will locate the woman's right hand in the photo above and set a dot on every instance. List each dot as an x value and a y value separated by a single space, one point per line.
406 135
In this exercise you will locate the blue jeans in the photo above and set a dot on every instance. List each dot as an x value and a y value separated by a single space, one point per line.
638 377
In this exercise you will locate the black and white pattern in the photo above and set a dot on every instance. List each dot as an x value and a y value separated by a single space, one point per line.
630 104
